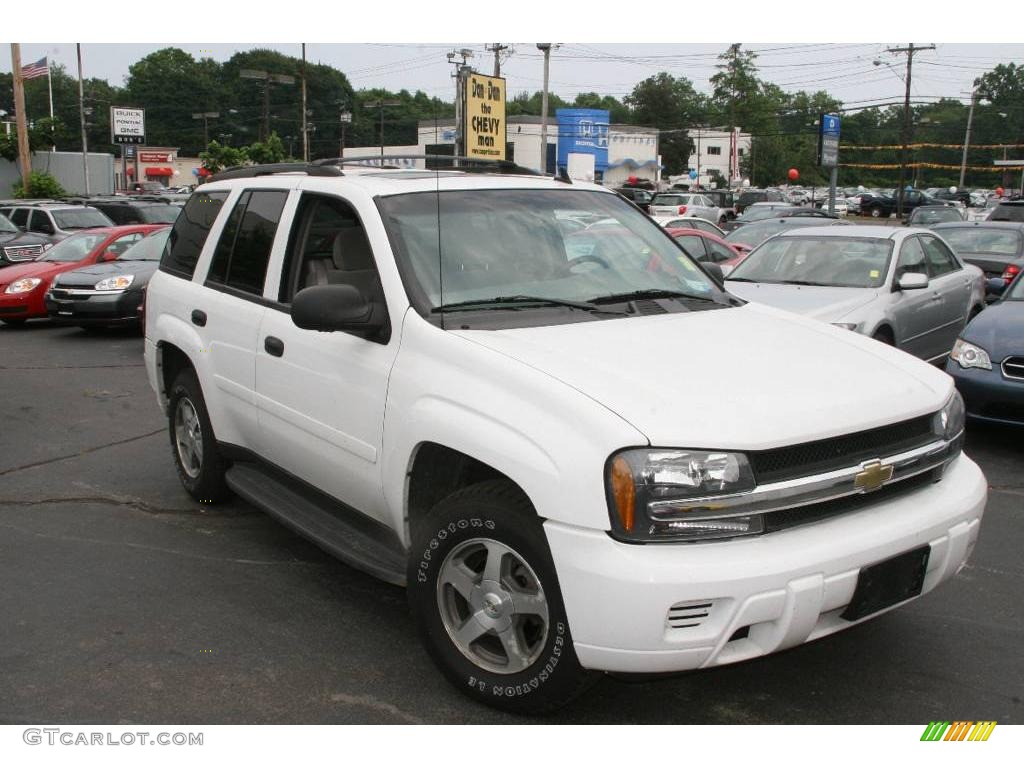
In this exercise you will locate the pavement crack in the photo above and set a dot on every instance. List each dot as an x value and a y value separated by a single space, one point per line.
151 548
1013 490
136 504
375 704
84 452
66 367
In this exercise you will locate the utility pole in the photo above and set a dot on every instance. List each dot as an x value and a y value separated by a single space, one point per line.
19 111
546 48
497 48
967 137
267 78
305 132
81 118
462 71
910 50
381 103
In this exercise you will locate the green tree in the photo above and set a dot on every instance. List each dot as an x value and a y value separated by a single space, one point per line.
269 151
40 185
216 157
673 106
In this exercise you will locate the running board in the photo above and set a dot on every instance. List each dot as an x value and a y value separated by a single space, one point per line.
339 530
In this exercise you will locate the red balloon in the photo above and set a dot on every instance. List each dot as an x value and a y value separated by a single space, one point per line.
632 179
794 174
999 191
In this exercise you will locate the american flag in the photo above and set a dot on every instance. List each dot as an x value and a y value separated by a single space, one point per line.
35 69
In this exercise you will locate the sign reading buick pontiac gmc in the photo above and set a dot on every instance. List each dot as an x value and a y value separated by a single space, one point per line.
127 126
485 117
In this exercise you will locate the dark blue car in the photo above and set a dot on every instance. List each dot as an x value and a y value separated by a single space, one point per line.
987 361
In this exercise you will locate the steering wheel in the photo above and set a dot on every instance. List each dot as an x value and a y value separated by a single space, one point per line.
589 257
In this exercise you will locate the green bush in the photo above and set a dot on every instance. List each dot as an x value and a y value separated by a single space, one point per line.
40 185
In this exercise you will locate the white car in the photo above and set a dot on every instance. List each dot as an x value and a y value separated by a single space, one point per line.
417 372
686 204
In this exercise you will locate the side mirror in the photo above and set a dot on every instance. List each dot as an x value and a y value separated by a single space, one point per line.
912 281
995 285
338 307
108 256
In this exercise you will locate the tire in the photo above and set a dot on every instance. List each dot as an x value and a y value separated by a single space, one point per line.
199 465
876 213
14 322
485 526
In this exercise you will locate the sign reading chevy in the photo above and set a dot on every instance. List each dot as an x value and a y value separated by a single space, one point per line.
127 126
485 117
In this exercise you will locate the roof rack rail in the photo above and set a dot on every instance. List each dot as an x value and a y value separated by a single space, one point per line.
269 169
466 164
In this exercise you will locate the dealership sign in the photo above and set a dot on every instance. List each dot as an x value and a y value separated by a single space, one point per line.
583 132
828 140
127 126
156 157
485 117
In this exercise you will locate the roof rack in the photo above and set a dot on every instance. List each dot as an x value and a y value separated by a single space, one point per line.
268 169
466 164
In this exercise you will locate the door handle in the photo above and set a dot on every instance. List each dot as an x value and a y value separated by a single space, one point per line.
198 317
274 346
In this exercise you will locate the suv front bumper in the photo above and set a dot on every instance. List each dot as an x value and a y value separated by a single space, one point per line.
628 603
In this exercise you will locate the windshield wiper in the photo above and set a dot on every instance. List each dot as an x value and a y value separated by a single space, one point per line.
503 302
651 293
800 282
741 279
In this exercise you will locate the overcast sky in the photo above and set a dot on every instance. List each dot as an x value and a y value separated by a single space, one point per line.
846 70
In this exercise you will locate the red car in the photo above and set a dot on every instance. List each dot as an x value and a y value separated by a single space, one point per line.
22 286
706 247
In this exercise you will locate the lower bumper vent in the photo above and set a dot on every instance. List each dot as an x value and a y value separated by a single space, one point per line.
689 614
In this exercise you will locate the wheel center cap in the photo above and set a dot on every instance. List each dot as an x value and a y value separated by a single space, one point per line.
493 604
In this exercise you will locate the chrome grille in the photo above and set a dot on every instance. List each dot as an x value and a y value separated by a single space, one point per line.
1013 368
23 252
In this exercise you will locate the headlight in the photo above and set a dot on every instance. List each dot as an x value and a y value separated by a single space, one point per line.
668 494
47 246
847 326
24 285
949 422
118 283
970 356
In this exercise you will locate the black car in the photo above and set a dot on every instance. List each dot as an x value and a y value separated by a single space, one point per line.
641 198
883 206
995 247
135 211
1008 210
762 212
17 246
109 293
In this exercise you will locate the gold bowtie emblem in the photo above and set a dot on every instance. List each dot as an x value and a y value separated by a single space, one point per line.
874 476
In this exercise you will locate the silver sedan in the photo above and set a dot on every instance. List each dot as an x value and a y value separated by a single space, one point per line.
900 285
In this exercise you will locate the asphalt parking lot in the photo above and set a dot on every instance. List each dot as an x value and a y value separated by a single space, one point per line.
123 601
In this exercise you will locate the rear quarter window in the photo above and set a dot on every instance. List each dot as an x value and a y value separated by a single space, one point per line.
190 232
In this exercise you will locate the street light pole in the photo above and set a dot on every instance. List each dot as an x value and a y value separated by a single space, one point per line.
204 116
382 103
910 50
81 118
345 117
967 136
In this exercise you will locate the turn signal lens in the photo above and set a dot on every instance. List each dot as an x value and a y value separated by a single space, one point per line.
623 493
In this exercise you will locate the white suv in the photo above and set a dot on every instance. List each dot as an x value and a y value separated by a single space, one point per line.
577 452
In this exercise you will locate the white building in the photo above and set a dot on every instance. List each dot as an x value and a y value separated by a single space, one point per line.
718 150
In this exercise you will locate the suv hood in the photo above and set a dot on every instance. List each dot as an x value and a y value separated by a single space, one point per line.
820 302
742 378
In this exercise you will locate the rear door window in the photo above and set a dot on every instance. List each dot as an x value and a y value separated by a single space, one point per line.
940 259
40 222
243 251
190 232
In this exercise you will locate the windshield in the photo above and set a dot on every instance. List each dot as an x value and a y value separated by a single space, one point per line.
149 248
80 218
76 247
1016 292
842 262
508 242
1008 212
159 214
756 213
670 200
6 225
1004 242
934 215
